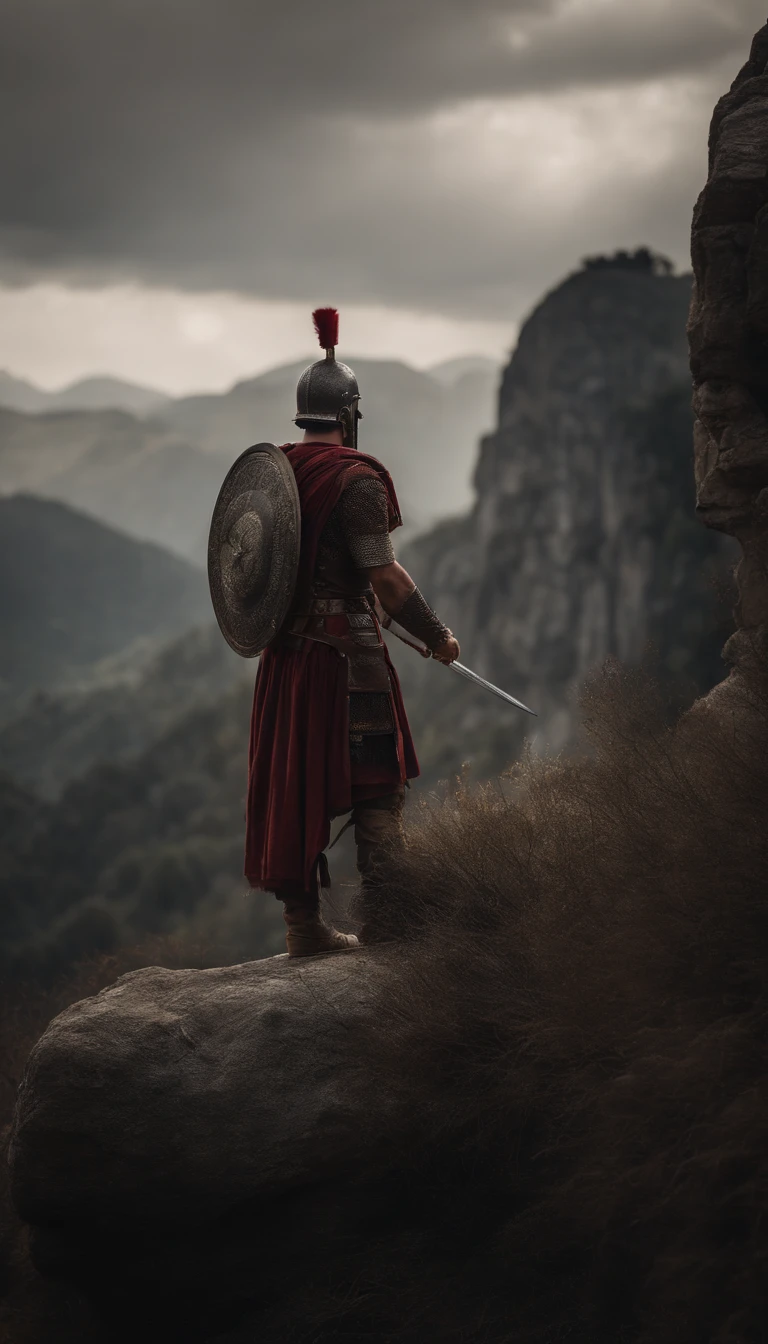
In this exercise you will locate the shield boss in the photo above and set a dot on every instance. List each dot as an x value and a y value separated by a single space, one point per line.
253 548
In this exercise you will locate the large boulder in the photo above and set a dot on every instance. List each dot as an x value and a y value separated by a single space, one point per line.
180 1093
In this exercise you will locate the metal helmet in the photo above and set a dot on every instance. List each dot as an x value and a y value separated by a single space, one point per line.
327 392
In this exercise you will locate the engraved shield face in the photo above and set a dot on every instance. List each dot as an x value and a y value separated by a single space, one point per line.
253 548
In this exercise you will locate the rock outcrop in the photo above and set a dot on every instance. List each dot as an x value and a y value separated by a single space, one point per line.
728 332
182 1127
206 1088
582 544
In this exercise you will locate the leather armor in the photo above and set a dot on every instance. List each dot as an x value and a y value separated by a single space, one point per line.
355 538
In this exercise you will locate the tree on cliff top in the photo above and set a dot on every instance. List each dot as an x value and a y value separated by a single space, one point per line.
643 259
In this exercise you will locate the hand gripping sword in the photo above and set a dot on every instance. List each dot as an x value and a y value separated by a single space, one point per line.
465 672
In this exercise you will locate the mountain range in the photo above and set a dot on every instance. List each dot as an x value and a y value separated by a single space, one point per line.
137 475
97 393
156 476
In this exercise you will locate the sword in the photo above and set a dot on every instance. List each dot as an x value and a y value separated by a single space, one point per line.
488 686
466 672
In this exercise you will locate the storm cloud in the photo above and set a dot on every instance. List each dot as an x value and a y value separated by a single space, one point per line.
442 155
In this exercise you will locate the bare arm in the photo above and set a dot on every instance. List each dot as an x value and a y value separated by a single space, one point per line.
392 585
402 600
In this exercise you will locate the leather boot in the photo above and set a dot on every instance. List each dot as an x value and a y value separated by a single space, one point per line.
308 934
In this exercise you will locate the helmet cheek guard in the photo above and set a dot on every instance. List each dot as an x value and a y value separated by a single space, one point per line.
327 392
348 418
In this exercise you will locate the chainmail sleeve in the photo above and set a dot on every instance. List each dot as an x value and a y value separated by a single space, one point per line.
364 517
417 617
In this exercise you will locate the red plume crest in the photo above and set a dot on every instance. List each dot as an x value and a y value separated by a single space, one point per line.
326 322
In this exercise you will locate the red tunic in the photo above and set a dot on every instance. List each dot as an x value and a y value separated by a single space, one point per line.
300 774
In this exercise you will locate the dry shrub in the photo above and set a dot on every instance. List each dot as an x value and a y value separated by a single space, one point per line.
579 1024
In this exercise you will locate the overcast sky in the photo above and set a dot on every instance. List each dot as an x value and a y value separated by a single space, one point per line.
183 180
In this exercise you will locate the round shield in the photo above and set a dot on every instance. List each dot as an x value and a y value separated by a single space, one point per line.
253 548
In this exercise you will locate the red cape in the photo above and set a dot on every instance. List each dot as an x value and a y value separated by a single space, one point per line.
299 774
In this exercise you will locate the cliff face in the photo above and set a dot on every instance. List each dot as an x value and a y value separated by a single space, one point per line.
582 542
729 339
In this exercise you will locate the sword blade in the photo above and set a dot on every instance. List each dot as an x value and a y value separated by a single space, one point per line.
489 686
465 672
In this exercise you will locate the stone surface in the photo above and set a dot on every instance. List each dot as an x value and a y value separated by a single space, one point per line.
583 543
728 331
189 1092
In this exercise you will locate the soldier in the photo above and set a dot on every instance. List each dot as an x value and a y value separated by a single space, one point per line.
329 733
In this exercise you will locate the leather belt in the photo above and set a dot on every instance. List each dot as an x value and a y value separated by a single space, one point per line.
362 647
335 606
344 646
311 625
351 647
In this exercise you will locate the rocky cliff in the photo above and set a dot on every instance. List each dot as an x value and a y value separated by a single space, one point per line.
729 341
582 542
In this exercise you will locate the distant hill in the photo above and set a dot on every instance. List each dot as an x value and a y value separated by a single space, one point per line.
61 734
97 393
75 592
100 393
19 395
137 475
148 483
35 449
451 370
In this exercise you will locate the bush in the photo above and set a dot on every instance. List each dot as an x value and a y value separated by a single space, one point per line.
581 1008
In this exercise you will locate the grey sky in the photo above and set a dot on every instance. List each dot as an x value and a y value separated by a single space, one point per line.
446 157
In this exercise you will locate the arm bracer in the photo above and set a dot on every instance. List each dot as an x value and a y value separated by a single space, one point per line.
417 617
